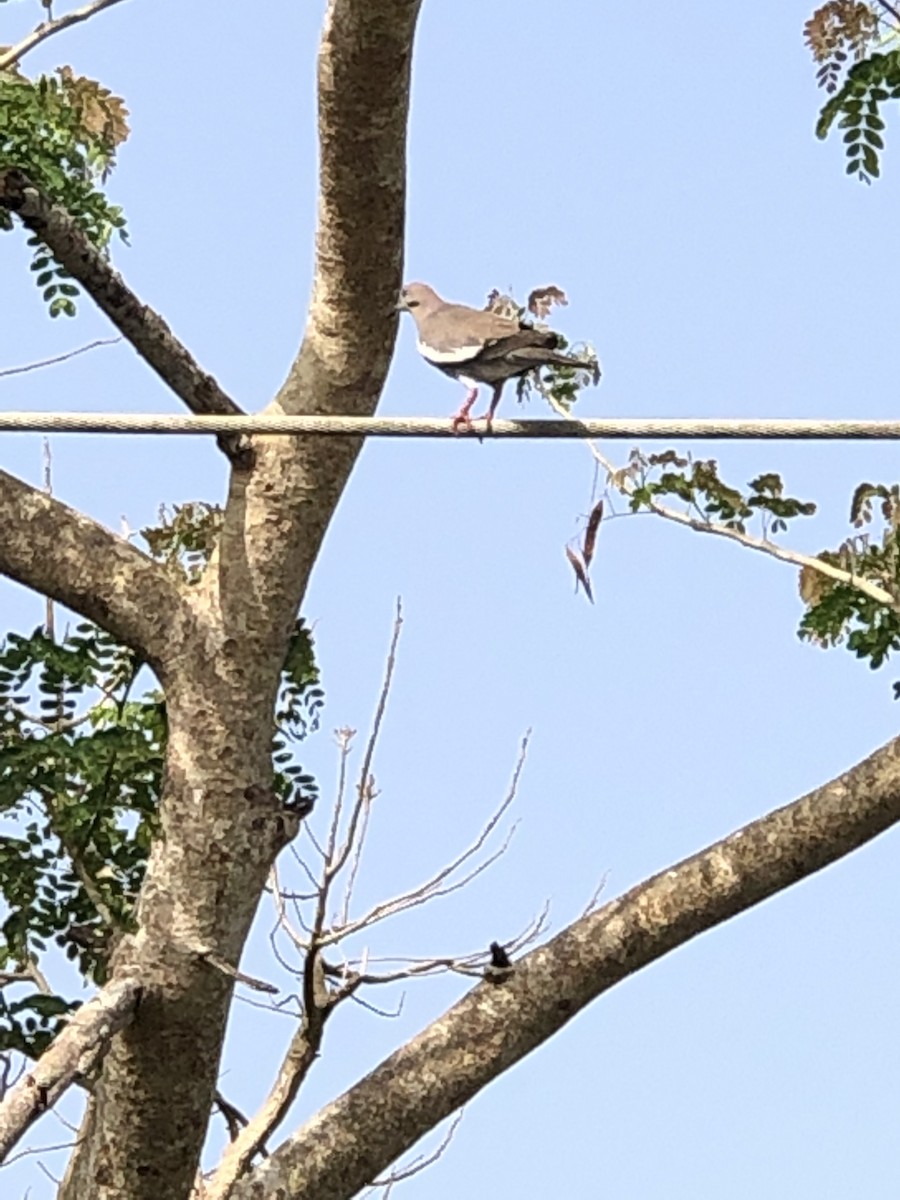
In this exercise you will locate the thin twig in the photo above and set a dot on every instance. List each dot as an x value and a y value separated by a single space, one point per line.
423 1160
8 1162
365 774
207 955
48 28
430 887
595 898
357 856
50 362
379 1012
234 1118
889 8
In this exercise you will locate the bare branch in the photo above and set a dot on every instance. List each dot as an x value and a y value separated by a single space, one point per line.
250 1140
364 787
388 1014
48 28
39 1150
431 888
421 1161
50 362
145 329
890 9
70 1055
231 972
417 968
357 1136
51 548
234 1118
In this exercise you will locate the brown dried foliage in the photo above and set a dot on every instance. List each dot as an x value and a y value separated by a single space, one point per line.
835 32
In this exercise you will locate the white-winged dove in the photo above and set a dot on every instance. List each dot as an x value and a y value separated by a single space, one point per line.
480 346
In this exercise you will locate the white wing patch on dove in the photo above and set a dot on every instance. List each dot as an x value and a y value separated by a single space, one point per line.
458 354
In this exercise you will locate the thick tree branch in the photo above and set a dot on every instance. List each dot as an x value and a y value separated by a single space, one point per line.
49 547
221 825
144 329
71 1056
351 1141
276 519
48 28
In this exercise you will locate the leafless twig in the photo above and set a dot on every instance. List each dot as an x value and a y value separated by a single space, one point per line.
364 787
432 887
48 28
595 898
234 1118
50 362
422 1161
214 960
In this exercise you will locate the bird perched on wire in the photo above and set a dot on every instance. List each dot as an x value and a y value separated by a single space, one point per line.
482 346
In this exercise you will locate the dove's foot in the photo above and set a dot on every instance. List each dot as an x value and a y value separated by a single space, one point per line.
462 420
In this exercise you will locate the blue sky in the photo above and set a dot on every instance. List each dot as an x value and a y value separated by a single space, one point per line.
659 163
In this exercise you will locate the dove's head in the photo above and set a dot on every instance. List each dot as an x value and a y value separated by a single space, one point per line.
419 299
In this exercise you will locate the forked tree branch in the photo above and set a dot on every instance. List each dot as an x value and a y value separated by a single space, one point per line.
364 67
137 322
56 551
354 1139
70 1056
48 28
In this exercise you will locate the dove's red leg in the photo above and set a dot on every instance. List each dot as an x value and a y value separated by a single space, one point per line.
462 418
492 407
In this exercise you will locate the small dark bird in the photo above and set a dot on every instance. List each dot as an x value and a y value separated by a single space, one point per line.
500 967
480 346
499 957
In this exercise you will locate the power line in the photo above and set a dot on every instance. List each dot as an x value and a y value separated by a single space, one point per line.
768 428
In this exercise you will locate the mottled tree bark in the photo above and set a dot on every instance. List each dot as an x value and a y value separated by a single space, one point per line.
221 825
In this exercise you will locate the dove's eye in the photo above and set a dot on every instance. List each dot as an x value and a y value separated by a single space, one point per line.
412 303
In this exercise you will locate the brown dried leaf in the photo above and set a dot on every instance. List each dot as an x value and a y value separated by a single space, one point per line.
542 300
102 114
813 586
581 575
590 533
505 306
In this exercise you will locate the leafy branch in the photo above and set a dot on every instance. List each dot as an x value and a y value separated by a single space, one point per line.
81 762
839 611
63 131
840 35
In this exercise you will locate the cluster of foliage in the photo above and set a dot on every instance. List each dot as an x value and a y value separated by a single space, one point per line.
709 498
558 385
63 131
843 36
839 612
82 748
